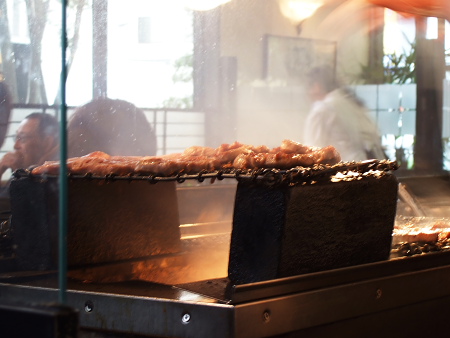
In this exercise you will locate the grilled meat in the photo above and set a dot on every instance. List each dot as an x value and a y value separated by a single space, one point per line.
196 159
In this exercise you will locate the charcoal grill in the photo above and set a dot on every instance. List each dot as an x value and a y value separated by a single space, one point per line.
382 295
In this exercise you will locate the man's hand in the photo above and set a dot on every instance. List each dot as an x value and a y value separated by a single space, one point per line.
11 160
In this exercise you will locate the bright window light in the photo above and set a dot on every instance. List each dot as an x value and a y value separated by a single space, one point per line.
432 29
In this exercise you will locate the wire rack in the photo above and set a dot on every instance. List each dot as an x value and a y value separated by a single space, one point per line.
270 176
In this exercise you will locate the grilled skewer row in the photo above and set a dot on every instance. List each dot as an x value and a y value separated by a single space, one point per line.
196 159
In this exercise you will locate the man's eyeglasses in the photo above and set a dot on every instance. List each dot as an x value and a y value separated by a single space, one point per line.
23 138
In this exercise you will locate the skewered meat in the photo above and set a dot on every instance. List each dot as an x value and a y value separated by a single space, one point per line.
250 160
195 159
418 235
420 229
415 235
168 165
292 147
156 165
49 167
98 163
199 151
74 165
270 160
326 155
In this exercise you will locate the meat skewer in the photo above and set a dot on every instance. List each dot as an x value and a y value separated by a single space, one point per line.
197 159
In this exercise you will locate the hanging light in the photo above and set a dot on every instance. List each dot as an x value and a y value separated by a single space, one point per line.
299 10
204 5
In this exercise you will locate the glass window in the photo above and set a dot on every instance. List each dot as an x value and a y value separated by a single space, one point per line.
156 88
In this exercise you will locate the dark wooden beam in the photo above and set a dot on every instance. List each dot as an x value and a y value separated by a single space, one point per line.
430 68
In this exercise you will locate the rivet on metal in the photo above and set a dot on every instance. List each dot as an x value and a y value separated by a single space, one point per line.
186 318
88 306
266 316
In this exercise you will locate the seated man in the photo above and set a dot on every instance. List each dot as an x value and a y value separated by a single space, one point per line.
36 142
116 127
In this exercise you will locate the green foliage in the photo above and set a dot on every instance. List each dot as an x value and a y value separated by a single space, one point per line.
372 75
395 69
184 71
178 102
400 69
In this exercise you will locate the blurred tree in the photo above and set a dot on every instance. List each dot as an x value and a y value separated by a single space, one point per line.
37 17
73 39
184 71
6 51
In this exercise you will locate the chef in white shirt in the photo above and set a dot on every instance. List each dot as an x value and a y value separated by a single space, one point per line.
338 118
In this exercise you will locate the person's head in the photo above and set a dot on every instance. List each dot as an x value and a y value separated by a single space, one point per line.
5 97
36 138
321 81
5 109
115 127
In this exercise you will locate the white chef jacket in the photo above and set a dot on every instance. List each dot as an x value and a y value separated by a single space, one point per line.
338 120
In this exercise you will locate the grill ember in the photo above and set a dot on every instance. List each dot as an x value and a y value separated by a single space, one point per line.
197 159
418 235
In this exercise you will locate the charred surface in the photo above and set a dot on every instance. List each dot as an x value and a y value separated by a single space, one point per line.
280 232
108 222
